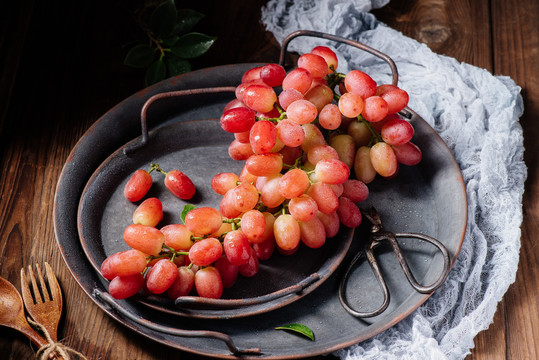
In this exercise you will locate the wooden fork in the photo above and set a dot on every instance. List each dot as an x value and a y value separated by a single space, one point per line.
43 300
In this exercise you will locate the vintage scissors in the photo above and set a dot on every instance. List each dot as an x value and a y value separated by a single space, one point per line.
377 236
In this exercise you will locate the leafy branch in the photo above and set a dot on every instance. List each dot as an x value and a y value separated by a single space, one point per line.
170 43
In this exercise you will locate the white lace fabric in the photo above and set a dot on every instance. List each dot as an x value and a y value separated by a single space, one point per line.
477 115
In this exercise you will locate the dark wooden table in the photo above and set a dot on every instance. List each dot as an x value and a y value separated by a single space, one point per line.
61 69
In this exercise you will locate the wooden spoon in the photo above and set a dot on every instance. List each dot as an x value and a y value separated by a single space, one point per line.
12 312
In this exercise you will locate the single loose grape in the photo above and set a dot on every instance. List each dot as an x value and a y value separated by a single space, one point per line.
138 185
149 212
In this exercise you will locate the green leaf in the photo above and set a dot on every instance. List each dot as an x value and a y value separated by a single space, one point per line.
163 19
186 19
170 41
177 66
185 210
299 328
156 72
140 56
192 45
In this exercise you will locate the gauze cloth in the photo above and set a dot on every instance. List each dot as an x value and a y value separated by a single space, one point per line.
477 115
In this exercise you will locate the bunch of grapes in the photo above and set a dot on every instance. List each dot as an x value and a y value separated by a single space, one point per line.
311 140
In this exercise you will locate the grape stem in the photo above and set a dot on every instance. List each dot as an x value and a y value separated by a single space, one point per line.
275 119
156 167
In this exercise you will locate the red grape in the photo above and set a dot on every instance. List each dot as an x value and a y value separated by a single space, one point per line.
272 74
363 166
330 117
324 196
313 63
408 154
287 232
328 55
203 220
183 283
348 212
302 112
236 247
360 83
383 159
177 236
251 267
228 271
264 164
397 132
223 182
124 263
240 151
237 120
288 96
208 283
313 233
331 223
253 225
303 208
290 133
260 97
205 252
375 109
147 239
355 190
126 286
332 171
351 104
161 276
293 183
299 79
180 184
263 137
245 197
149 212
138 185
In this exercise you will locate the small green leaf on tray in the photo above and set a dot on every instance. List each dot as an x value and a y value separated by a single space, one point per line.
185 210
299 328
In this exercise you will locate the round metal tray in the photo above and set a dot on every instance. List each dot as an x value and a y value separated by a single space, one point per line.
429 198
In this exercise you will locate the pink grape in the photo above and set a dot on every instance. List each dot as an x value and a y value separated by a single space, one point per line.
205 252
355 190
236 247
299 79
253 225
145 238
208 283
240 151
260 97
268 230
272 74
290 133
383 159
183 283
124 263
251 267
331 223
237 120
375 109
177 236
330 117
351 104
408 154
328 55
319 152
245 197
240 89
251 75
263 137
360 83
203 220
161 276
313 233
319 96
149 212
324 196
243 137
348 212
363 166
345 147
270 195
313 63
228 271
397 132
126 286
359 131
264 164
293 183
287 232
303 208
396 98
234 103
288 96
332 171
313 136
138 185
227 206
302 112
223 182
